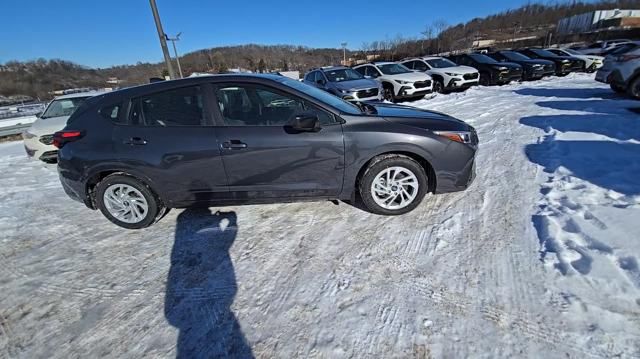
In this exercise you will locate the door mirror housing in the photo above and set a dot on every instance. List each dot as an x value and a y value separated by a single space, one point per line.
39 114
304 122
321 82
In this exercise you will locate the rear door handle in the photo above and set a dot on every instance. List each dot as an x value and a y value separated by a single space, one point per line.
135 141
234 145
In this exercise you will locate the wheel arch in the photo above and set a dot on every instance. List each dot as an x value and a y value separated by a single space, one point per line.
99 175
426 165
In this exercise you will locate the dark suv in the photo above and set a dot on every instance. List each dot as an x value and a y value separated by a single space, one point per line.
533 69
564 64
231 139
491 71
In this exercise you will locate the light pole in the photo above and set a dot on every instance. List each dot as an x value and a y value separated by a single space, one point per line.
163 40
344 53
175 50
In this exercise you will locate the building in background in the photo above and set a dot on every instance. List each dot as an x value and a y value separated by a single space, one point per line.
599 20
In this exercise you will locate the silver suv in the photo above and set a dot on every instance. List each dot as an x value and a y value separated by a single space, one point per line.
345 83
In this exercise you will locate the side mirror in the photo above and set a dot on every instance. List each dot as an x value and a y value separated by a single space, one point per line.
304 122
320 82
39 114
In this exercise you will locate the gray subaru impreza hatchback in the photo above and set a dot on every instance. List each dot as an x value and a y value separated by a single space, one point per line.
236 139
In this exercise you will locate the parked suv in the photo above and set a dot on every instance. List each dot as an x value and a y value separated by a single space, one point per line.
592 62
532 69
345 83
564 64
398 82
224 139
446 74
600 47
491 71
623 73
38 139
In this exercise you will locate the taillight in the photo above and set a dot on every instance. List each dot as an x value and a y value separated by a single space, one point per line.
60 138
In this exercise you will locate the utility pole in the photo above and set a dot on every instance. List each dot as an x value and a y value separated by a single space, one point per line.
163 40
175 50
344 53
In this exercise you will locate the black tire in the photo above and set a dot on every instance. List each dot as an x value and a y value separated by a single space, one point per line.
438 86
634 88
156 210
485 79
617 88
388 93
378 165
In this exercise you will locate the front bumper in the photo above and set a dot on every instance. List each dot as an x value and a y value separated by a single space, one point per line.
409 91
461 83
533 74
602 75
35 148
362 95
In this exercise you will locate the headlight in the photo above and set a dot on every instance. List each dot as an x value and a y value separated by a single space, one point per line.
462 137
344 91
402 82
501 68
27 135
452 74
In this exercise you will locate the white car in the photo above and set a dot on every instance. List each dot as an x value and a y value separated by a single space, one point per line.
38 139
622 72
592 62
446 74
600 47
398 82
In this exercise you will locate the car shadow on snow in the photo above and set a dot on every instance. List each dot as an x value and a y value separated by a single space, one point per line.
614 126
576 93
201 287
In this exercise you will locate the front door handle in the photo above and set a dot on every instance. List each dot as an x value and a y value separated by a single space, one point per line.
234 145
135 141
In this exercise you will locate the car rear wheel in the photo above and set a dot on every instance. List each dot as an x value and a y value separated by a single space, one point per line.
128 202
634 88
393 185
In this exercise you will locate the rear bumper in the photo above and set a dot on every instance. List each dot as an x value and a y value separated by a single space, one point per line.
74 186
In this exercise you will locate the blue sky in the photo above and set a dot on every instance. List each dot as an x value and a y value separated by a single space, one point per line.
113 32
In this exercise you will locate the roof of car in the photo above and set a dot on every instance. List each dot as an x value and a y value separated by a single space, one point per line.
333 68
79 94
383 63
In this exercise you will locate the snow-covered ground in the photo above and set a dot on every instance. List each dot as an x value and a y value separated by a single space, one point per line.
539 258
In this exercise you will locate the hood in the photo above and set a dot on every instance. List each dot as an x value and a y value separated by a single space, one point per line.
356 84
410 76
48 126
462 70
416 117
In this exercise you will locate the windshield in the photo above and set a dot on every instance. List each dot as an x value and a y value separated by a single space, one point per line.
543 53
343 75
572 51
483 59
323 96
441 63
512 55
393 69
63 107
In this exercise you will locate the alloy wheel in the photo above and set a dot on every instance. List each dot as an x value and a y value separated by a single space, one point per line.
125 203
394 188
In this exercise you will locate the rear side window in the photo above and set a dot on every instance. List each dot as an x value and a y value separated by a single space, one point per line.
111 113
177 107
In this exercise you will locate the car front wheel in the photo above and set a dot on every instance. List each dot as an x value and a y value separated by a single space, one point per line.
128 202
393 185
634 88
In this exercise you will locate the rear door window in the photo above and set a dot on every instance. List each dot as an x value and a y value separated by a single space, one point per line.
171 108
